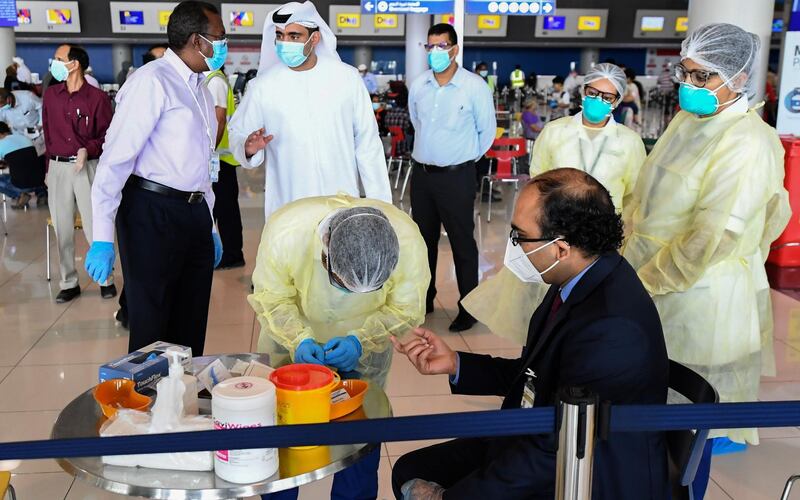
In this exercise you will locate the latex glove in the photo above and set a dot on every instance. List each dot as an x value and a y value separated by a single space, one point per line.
343 353
100 260
419 489
309 352
217 248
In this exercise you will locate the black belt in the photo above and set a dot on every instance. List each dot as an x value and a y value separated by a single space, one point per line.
64 159
191 197
435 169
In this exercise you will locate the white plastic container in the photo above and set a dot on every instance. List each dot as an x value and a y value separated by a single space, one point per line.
241 403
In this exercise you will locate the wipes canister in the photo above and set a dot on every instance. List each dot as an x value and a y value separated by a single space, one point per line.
242 403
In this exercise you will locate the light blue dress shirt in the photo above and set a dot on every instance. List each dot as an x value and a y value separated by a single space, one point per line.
13 142
566 290
26 113
454 123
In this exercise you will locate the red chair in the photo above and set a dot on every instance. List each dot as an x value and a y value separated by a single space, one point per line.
505 151
398 136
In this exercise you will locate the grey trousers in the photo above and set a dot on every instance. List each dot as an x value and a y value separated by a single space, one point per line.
68 188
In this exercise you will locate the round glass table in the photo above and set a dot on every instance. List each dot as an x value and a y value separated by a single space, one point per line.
83 418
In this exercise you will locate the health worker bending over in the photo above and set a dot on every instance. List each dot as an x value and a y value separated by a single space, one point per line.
590 141
332 283
708 204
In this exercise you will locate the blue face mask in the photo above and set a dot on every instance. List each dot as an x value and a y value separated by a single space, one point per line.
698 101
292 53
59 70
595 110
376 106
439 60
217 60
484 73
7 106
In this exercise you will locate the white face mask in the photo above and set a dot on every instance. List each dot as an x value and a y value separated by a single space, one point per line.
517 261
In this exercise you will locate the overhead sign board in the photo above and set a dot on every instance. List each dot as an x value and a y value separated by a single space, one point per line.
484 26
245 18
47 17
8 13
573 23
140 17
350 20
511 7
660 24
406 7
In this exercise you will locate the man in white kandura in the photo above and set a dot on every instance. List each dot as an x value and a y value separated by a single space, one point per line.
310 114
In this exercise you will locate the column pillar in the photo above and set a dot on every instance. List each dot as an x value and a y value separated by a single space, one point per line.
589 57
459 15
8 46
754 16
363 55
417 26
121 57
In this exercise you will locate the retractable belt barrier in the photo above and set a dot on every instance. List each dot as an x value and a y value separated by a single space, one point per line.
633 418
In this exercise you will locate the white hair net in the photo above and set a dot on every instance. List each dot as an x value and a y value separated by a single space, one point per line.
363 249
610 72
726 49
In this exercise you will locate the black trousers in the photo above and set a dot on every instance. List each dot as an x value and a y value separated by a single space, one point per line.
167 258
447 198
445 464
227 214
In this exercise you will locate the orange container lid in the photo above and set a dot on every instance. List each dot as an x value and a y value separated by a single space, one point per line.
301 377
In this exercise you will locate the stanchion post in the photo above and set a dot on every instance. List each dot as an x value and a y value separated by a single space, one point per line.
576 433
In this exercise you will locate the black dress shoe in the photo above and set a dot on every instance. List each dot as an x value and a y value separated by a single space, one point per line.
68 294
108 292
464 321
122 317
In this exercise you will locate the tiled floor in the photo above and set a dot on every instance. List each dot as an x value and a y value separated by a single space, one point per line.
49 353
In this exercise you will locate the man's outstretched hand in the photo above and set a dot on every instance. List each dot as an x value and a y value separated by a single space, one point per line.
256 141
428 353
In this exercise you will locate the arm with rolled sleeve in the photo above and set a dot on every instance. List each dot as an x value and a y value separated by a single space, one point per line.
140 104
485 117
370 157
246 120
405 299
275 297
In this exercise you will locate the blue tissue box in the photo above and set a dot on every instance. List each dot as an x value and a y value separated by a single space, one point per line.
145 367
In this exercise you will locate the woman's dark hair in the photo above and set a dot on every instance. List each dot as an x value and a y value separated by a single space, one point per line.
188 18
444 29
4 129
79 54
577 208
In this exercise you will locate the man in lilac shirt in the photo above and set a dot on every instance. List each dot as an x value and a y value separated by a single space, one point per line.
155 178
75 117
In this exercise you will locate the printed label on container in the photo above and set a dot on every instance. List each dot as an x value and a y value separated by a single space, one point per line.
222 455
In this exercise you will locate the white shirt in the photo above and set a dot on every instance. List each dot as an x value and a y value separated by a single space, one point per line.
325 133
219 92
163 130
26 113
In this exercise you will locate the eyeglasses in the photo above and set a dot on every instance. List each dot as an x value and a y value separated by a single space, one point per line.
215 37
516 239
332 278
607 97
441 46
699 77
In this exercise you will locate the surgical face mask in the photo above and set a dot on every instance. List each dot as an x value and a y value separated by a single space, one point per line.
595 109
217 60
59 70
439 60
517 261
292 53
376 106
700 101
5 107
484 73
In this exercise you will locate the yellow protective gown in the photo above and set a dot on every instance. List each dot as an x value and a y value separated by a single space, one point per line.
614 157
294 300
709 202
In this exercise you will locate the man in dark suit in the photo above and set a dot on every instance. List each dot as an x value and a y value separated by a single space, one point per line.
597 328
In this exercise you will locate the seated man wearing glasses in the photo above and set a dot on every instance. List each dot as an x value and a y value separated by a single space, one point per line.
596 328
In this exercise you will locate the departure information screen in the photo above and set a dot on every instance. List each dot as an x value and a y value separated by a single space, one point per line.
131 17
8 13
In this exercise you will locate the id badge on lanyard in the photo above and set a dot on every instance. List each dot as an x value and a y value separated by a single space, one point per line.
529 392
213 167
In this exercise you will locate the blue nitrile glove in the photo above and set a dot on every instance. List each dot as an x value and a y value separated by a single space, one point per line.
217 248
100 260
309 352
343 353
